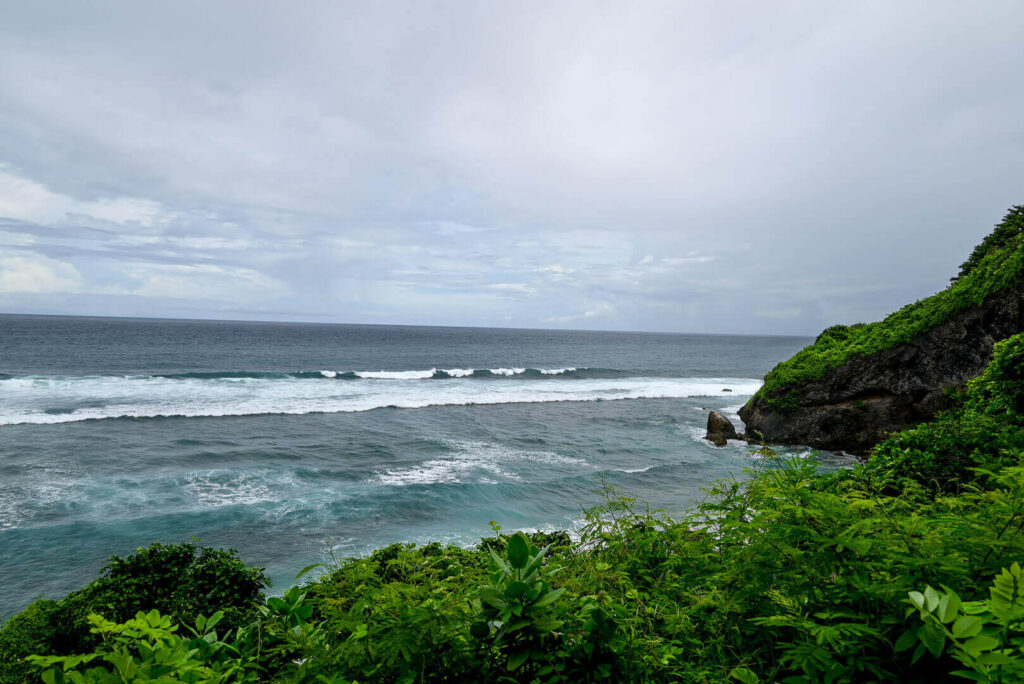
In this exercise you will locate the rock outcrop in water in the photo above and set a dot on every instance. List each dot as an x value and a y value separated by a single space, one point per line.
854 386
720 429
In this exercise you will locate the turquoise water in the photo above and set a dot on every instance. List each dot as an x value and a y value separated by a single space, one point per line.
289 442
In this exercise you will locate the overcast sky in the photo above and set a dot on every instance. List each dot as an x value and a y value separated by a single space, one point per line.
740 167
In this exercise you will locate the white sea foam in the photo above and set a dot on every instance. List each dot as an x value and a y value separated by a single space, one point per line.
216 488
634 470
397 375
450 372
469 461
38 489
508 371
63 399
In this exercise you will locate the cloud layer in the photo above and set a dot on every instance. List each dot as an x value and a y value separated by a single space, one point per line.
741 167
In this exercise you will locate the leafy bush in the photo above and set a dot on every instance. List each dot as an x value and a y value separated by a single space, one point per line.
143 649
30 631
517 614
181 581
148 648
986 636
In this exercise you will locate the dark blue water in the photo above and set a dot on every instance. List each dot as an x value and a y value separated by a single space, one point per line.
287 441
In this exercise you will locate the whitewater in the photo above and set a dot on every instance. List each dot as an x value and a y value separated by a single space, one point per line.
61 399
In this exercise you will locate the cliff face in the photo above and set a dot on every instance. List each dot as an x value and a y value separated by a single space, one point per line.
855 405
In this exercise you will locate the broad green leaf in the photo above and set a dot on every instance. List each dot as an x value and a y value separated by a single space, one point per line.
516 589
515 660
518 550
906 640
547 624
917 598
982 642
949 606
500 563
535 560
931 599
744 675
492 597
966 626
549 598
994 658
933 639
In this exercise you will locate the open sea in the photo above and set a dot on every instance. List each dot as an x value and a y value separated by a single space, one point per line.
291 441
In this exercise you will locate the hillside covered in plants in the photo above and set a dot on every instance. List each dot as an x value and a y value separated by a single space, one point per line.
856 384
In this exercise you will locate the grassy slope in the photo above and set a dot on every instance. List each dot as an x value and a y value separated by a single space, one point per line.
996 263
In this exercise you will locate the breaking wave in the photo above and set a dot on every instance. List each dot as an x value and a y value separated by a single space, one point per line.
429 374
62 399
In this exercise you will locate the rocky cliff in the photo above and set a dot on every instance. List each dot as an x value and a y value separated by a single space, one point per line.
856 385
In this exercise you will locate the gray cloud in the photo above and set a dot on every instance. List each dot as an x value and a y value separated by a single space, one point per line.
741 167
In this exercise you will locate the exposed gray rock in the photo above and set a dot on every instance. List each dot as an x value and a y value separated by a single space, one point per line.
720 429
858 404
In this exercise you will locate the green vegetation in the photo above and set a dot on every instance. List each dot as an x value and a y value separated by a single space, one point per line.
181 581
1011 226
790 574
994 265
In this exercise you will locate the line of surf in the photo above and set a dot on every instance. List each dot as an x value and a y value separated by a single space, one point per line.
327 374
103 398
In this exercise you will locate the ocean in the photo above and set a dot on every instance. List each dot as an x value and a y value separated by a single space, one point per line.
291 442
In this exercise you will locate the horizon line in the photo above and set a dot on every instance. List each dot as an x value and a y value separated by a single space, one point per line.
396 325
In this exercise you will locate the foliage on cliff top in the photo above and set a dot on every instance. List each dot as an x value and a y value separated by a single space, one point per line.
1011 226
995 264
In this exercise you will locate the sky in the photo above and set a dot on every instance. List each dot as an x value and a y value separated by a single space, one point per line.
706 167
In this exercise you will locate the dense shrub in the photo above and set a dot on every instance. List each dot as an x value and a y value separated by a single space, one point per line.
28 632
180 581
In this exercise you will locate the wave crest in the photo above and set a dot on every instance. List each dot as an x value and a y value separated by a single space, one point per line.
62 399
